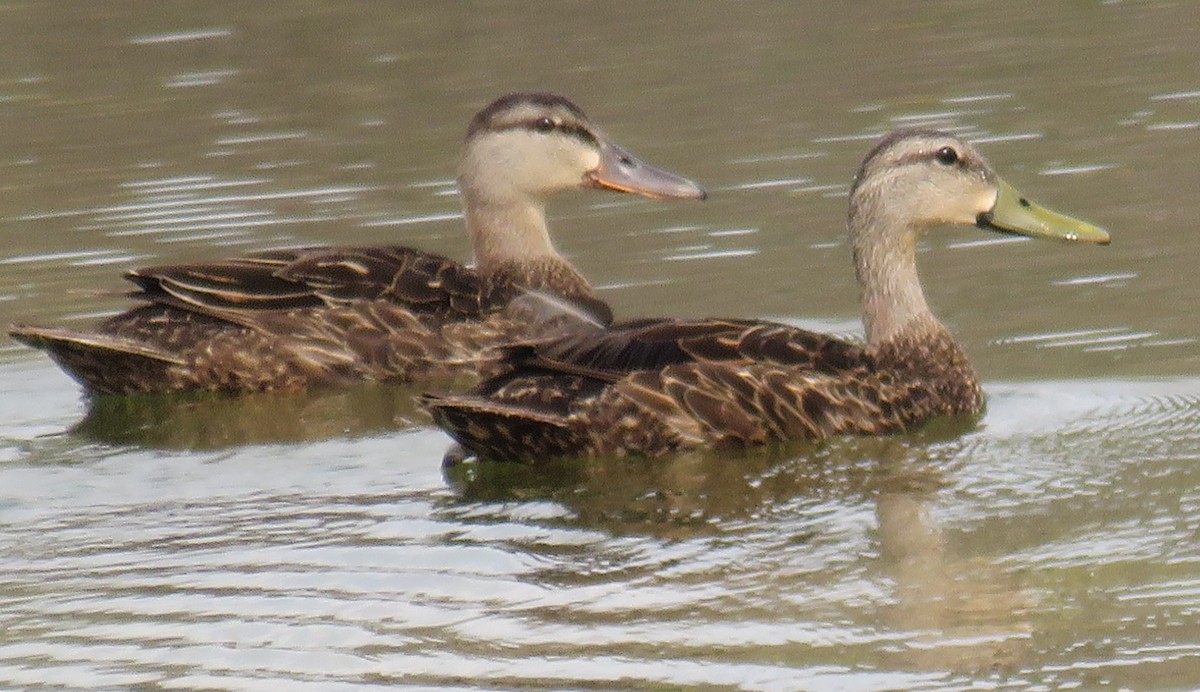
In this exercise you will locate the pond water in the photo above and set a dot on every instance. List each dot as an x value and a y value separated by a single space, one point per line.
313 541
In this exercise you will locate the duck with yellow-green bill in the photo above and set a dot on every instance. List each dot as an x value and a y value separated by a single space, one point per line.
319 316
655 386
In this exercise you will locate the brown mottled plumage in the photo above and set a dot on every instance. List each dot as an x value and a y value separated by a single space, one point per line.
655 386
290 319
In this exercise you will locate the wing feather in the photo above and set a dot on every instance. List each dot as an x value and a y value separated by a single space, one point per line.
318 277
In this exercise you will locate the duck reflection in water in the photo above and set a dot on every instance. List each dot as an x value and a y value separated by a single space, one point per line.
776 522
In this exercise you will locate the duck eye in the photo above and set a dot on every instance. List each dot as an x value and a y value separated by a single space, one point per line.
946 156
543 124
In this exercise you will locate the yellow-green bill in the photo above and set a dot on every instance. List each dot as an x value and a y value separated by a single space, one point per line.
1013 213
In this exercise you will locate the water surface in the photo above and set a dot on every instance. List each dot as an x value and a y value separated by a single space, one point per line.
313 542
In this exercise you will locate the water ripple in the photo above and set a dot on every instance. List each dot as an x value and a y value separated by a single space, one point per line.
1176 96
700 253
1097 340
1077 169
181 36
1119 278
186 80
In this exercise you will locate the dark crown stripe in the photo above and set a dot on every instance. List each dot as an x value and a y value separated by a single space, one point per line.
490 118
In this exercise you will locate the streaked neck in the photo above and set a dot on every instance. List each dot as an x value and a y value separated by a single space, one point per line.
513 251
885 260
506 231
902 333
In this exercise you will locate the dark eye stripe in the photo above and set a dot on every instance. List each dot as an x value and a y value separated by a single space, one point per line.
935 155
578 132
538 125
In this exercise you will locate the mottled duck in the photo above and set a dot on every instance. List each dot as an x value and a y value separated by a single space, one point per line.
295 318
651 387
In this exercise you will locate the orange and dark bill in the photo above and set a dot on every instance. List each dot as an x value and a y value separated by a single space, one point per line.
621 171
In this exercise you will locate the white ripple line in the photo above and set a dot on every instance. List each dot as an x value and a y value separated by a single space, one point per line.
1176 95
179 36
711 254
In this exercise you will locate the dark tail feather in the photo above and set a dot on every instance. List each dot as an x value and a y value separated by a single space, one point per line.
102 363
503 432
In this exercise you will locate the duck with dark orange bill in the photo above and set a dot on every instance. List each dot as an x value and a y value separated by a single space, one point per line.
294 318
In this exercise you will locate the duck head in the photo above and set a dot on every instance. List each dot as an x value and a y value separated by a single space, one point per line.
916 180
534 144
921 179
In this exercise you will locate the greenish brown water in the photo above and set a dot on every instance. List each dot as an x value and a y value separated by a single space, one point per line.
312 542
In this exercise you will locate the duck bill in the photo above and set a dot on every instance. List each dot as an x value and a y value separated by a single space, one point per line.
621 171
1013 213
